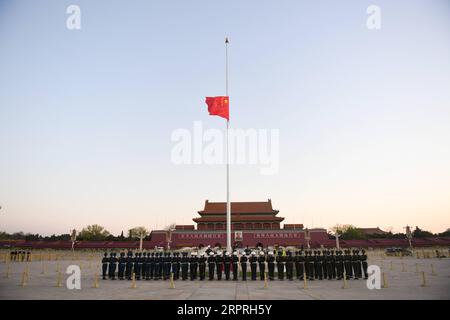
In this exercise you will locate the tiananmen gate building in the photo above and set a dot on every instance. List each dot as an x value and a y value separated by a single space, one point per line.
252 224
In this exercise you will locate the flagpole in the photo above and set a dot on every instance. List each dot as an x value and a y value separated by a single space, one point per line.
228 157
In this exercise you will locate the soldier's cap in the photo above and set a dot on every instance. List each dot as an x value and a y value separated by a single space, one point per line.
261 253
235 253
227 253
211 253
253 253
271 253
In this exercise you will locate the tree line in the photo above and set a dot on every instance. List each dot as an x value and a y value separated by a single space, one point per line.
96 232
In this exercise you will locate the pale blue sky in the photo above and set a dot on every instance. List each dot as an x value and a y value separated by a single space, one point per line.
86 116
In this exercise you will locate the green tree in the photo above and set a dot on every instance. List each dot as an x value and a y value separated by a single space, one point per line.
137 232
93 232
419 233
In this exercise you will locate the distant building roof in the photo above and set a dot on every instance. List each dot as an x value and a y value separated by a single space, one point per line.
238 208
369 231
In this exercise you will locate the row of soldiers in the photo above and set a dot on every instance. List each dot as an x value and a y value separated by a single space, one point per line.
314 265
19 255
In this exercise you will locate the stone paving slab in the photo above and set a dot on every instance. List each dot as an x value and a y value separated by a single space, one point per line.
401 284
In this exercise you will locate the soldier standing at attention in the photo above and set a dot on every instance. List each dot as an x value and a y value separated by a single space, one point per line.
320 264
333 265
348 264
184 266
234 264
289 266
354 259
144 266
339 265
253 265
262 265
219 265
301 263
202 266
271 265
364 263
129 265
227 265
113 266
148 262
280 265
167 265
122 263
310 266
316 265
105 262
193 265
243 262
297 264
137 265
211 265
325 263
176 265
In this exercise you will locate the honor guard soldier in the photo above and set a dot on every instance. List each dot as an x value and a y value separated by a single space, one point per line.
289 266
219 265
348 264
176 265
155 265
339 265
148 262
227 265
253 265
262 265
122 264
364 263
144 266
301 264
211 265
316 265
271 265
105 262
280 265
297 265
158 266
184 266
129 265
333 265
354 259
320 262
234 265
193 266
202 266
167 266
113 266
137 265
325 263
243 262
208 250
330 264
358 269
310 266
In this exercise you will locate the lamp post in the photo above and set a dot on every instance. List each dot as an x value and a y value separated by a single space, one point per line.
307 237
409 236
337 235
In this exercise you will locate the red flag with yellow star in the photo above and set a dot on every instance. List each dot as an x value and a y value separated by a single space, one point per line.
218 106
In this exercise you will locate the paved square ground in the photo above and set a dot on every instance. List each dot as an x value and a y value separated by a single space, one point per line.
403 282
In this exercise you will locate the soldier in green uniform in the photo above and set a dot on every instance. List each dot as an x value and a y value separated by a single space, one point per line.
227 265
262 265
122 264
184 266
219 264
339 265
271 265
105 262
364 263
243 261
348 264
253 265
280 265
234 264
193 265
211 265
289 266
202 266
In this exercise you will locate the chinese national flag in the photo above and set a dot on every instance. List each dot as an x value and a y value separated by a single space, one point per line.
218 106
